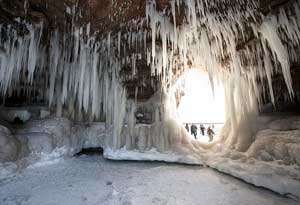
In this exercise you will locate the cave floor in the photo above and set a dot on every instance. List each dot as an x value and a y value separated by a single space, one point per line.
94 180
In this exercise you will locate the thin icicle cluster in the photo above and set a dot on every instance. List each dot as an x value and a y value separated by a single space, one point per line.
18 53
278 47
78 73
211 35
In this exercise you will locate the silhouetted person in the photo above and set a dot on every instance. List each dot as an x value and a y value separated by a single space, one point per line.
202 128
187 127
194 130
210 134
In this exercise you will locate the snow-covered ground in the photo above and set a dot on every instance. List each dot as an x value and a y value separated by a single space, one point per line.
94 180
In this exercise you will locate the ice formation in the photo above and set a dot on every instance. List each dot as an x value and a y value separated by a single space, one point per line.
44 140
83 72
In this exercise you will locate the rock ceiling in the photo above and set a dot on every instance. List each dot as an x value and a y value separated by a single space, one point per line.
103 16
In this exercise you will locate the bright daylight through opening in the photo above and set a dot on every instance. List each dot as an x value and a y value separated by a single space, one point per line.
200 104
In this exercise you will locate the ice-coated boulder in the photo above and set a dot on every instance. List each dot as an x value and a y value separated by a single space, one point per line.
279 145
11 114
9 145
92 135
294 152
39 142
286 123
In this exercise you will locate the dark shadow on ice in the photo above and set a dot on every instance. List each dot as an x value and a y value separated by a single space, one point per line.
91 151
158 163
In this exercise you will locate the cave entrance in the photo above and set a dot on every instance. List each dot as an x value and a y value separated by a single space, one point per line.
200 105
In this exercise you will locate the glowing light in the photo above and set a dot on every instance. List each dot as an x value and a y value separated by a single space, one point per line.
199 104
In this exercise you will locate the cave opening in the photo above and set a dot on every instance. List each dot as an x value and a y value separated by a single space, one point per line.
201 104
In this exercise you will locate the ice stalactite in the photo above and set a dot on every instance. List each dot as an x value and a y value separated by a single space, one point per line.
119 99
279 52
17 53
83 73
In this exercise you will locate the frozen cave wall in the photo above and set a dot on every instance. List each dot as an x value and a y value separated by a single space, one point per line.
47 139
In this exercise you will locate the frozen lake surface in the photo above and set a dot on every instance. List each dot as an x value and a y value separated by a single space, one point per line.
94 180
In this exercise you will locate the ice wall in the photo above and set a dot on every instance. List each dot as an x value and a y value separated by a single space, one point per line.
82 72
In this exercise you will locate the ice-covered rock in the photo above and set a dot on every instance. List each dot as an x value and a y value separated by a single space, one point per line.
281 145
37 139
11 114
45 135
44 113
9 145
279 178
287 123
92 135
272 159
38 142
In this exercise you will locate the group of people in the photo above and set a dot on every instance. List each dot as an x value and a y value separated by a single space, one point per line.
210 131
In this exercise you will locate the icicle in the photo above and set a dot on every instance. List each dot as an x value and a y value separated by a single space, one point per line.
174 22
280 53
88 29
133 65
54 57
119 43
108 44
136 93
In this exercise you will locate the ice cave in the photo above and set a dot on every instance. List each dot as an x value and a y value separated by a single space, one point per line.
149 102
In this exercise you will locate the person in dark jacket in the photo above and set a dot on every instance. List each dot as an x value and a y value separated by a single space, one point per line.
187 127
202 128
194 130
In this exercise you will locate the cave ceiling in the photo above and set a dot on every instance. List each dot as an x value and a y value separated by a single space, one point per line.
103 15
106 16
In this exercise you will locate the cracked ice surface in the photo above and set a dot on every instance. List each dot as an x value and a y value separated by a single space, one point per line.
93 180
